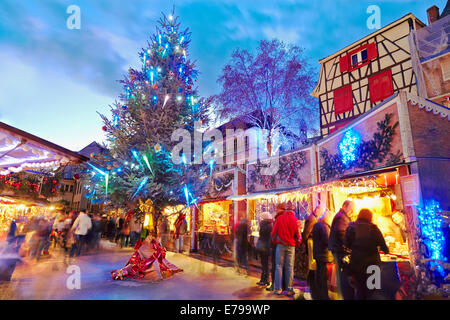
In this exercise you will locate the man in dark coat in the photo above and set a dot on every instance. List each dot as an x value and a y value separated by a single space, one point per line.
310 221
336 246
263 246
322 255
363 238
242 245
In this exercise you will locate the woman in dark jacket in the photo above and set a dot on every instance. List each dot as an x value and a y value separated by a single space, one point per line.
263 246
363 238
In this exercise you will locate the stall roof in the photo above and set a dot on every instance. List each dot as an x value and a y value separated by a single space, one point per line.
20 150
211 200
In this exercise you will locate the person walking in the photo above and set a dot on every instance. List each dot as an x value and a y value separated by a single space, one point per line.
272 259
119 225
111 229
363 238
336 245
80 228
286 235
135 230
321 254
242 246
164 232
96 231
125 238
307 244
43 233
263 247
180 230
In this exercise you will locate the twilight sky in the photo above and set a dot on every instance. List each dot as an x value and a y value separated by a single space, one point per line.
55 80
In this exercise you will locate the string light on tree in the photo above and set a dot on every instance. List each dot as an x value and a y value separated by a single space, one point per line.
348 147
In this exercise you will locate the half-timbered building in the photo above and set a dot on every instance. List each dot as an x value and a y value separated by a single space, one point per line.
356 78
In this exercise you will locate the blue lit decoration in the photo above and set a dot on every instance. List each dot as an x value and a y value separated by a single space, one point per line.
349 147
431 227
186 193
116 120
140 186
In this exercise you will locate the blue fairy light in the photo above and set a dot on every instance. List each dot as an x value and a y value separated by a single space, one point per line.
186 193
431 225
116 120
140 186
349 147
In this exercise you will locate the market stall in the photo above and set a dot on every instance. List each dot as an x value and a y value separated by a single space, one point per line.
215 226
21 212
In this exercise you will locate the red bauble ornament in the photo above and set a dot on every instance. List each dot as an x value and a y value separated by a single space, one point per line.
189 87
54 181
76 176
155 86
104 128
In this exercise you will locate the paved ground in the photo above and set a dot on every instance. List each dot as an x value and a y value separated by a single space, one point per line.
201 280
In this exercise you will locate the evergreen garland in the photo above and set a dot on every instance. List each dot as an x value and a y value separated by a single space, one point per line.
289 167
369 153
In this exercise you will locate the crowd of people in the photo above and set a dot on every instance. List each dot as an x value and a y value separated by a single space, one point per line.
326 239
351 246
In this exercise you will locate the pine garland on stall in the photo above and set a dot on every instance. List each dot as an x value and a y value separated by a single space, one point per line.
368 153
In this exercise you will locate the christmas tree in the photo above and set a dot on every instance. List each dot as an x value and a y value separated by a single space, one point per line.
158 99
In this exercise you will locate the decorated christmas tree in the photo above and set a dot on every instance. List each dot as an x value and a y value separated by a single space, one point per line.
158 99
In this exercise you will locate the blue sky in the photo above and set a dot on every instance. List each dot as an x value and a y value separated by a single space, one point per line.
55 80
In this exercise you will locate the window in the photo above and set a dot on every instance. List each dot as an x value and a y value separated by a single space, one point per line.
381 86
445 66
343 99
71 188
358 57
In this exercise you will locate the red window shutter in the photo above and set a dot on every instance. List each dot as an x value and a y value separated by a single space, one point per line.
343 99
344 63
381 86
372 51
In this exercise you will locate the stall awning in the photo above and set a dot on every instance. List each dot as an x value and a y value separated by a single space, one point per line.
211 200
20 150
261 195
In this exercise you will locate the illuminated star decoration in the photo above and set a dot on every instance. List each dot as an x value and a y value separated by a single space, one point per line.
348 147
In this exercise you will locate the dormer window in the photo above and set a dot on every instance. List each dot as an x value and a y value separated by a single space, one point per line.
359 58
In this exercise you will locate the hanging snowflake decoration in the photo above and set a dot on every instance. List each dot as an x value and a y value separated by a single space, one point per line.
349 147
